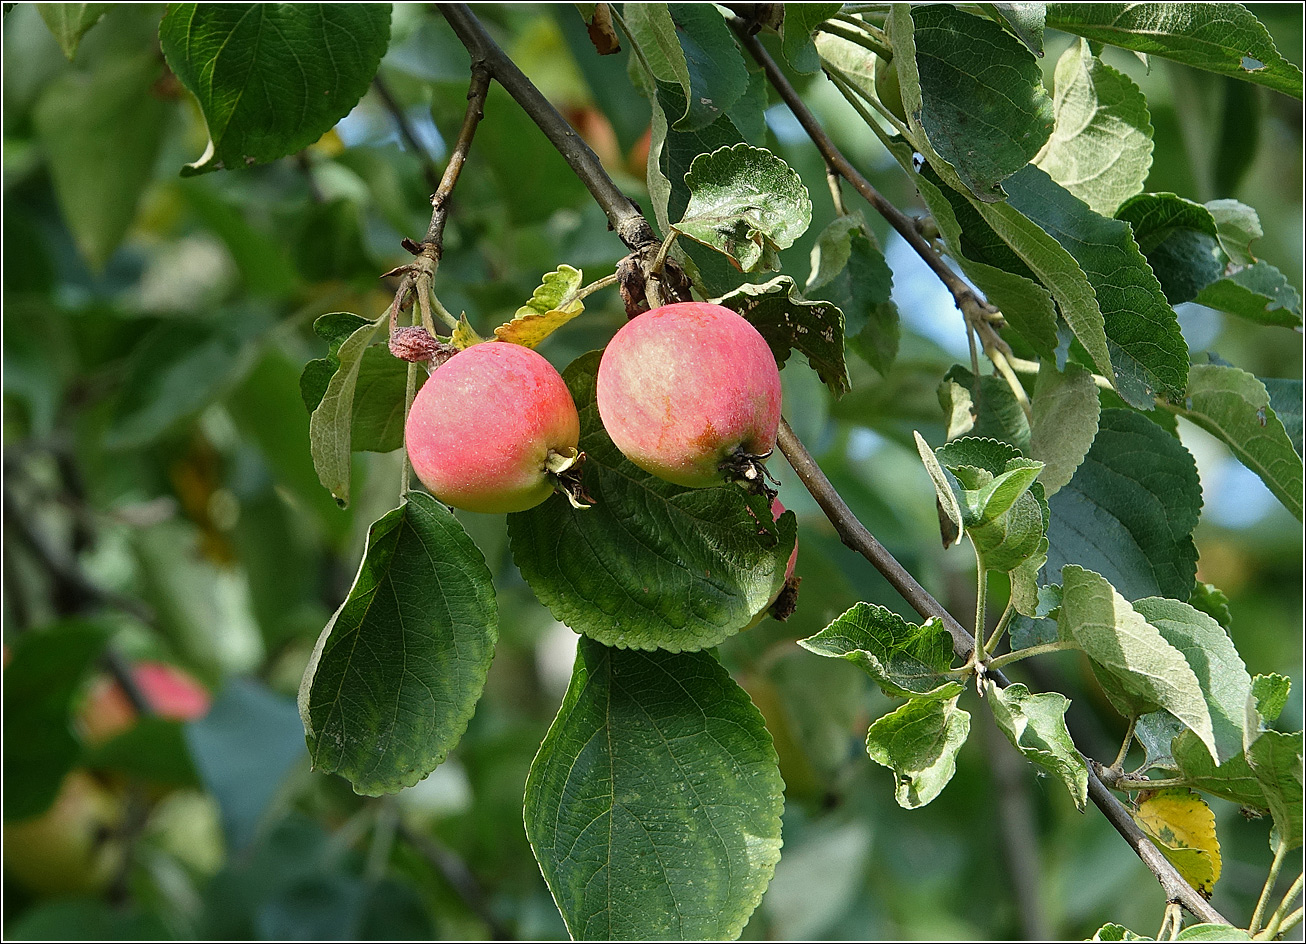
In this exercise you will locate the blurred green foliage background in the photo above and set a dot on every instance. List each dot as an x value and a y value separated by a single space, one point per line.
158 485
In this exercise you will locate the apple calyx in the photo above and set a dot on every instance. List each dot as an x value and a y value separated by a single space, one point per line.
750 472
564 468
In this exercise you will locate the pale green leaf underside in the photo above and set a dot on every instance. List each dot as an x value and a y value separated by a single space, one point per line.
396 674
1036 726
330 426
1065 410
653 806
69 22
919 743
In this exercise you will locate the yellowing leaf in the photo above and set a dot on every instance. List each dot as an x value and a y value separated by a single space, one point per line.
1183 828
551 306
464 335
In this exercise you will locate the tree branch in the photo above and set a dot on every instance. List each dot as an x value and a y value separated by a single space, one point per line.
624 216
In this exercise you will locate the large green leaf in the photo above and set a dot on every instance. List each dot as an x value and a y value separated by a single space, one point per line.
1129 510
272 78
746 203
1286 402
1066 409
902 658
69 22
1148 353
1144 670
983 105
1179 239
1232 780
649 565
1214 660
41 682
653 805
1101 147
919 743
101 132
331 425
789 322
397 672
1276 761
849 270
1234 406
1258 292
1218 37
1036 726
714 65
796 29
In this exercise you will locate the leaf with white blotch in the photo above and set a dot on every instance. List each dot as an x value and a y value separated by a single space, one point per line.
653 806
1183 828
992 413
397 672
1180 241
1218 37
1036 726
1148 353
904 659
789 322
1129 510
919 743
1276 761
1234 406
796 45
1286 402
1271 694
1147 672
1214 660
1101 147
271 78
1024 20
1258 292
649 565
551 306
946 488
849 270
746 203
1065 408
985 111
330 426
69 22
1237 226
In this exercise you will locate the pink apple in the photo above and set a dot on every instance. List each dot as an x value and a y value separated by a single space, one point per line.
491 428
691 393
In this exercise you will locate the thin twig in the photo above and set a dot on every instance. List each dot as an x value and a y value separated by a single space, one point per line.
476 93
1280 851
623 215
454 871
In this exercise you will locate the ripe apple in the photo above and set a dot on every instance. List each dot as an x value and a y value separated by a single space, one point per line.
70 848
171 692
691 393
492 428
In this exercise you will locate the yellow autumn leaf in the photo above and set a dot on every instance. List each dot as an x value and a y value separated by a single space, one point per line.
464 335
1182 826
550 307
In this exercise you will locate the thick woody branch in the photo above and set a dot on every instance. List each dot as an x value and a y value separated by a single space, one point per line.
623 215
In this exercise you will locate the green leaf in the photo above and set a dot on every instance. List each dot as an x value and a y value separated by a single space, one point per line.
919 743
746 203
1156 731
1271 694
101 132
153 749
1214 660
40 684
1145 670
1117 932
650 565
1286 401
1024 20
1258 292
796 31
551 306
992 413
1101 147
985 111
1066 409
849 270
175 371
377 421
713 63
1180 241
1238 226
271 80
904 659
1129 510
1218 37
945 491
1212 601
330 427
1003 508
1148 353
1212 932
1036 726
397 672
653 805
1276 761
789 322
1234 406
69 22
1233 780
